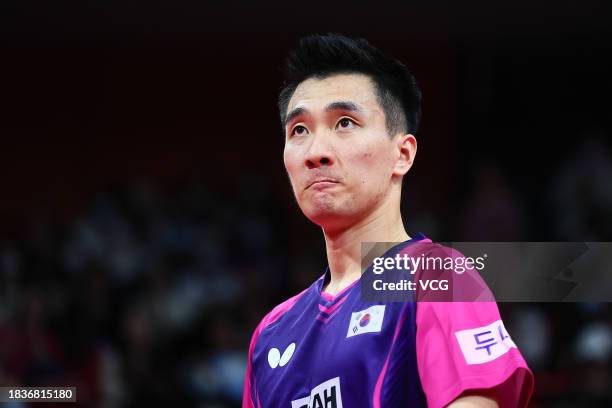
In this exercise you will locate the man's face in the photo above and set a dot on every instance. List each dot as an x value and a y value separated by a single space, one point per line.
341 161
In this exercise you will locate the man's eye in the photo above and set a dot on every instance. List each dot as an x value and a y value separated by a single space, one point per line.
298 130
346 123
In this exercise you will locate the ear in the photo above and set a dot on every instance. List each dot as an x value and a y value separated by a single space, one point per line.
406 151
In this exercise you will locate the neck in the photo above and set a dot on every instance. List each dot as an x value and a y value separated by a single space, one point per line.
343 246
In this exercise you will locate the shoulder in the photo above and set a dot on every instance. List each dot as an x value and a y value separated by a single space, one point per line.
274 315
282 308
279 310
438 263
426 247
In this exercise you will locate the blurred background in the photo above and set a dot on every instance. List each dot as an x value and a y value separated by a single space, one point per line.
146 221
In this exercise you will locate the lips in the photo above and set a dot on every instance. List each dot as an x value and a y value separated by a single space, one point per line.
321 180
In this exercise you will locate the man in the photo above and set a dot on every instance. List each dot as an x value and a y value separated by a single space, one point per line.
350 114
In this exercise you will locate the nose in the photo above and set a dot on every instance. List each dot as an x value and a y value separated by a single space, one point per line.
319 152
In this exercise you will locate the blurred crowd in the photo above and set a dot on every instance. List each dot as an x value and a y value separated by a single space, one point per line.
142 297
150 295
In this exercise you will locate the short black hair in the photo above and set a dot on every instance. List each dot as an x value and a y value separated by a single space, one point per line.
323 55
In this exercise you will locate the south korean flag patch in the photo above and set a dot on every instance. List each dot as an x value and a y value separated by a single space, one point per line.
369 320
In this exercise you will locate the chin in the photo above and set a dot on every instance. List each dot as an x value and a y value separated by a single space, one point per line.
327 217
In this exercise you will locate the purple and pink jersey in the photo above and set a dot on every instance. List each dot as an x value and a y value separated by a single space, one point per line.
320 351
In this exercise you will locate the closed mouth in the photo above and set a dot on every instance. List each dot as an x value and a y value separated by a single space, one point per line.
321 181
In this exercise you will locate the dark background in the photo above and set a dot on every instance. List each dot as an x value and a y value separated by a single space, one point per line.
147 223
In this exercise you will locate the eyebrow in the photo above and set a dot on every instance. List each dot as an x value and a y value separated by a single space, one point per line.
338 105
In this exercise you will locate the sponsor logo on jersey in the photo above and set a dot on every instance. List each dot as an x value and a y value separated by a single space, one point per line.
484 344
275 358
324 395
369 320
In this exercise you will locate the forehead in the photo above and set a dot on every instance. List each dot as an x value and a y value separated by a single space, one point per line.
315 92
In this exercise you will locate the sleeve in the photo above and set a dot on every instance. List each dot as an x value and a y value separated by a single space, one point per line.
464 346
461 341
249 396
